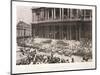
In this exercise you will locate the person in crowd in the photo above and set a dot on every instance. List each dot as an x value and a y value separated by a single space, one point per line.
72 60
67 61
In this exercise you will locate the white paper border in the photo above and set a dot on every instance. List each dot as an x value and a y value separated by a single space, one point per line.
48 67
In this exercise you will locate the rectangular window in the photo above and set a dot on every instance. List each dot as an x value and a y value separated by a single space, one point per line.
57 11
65 13
88 13
50 13
74 13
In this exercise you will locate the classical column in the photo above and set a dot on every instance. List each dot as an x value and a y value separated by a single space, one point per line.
62 32
62 13
48 14
68 12
59 32
54 14
32 17
42 14
67 32
84 15
77 13
76 31
80 32
54 32
71 13
70 33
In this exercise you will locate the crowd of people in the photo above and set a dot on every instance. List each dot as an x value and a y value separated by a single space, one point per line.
33 57
52 51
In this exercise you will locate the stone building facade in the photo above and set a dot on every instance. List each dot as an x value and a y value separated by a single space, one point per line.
62 23
23 30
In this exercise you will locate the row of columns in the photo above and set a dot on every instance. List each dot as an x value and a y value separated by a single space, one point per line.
61 15
68 32
44 14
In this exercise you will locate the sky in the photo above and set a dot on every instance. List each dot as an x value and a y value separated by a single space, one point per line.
24 13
